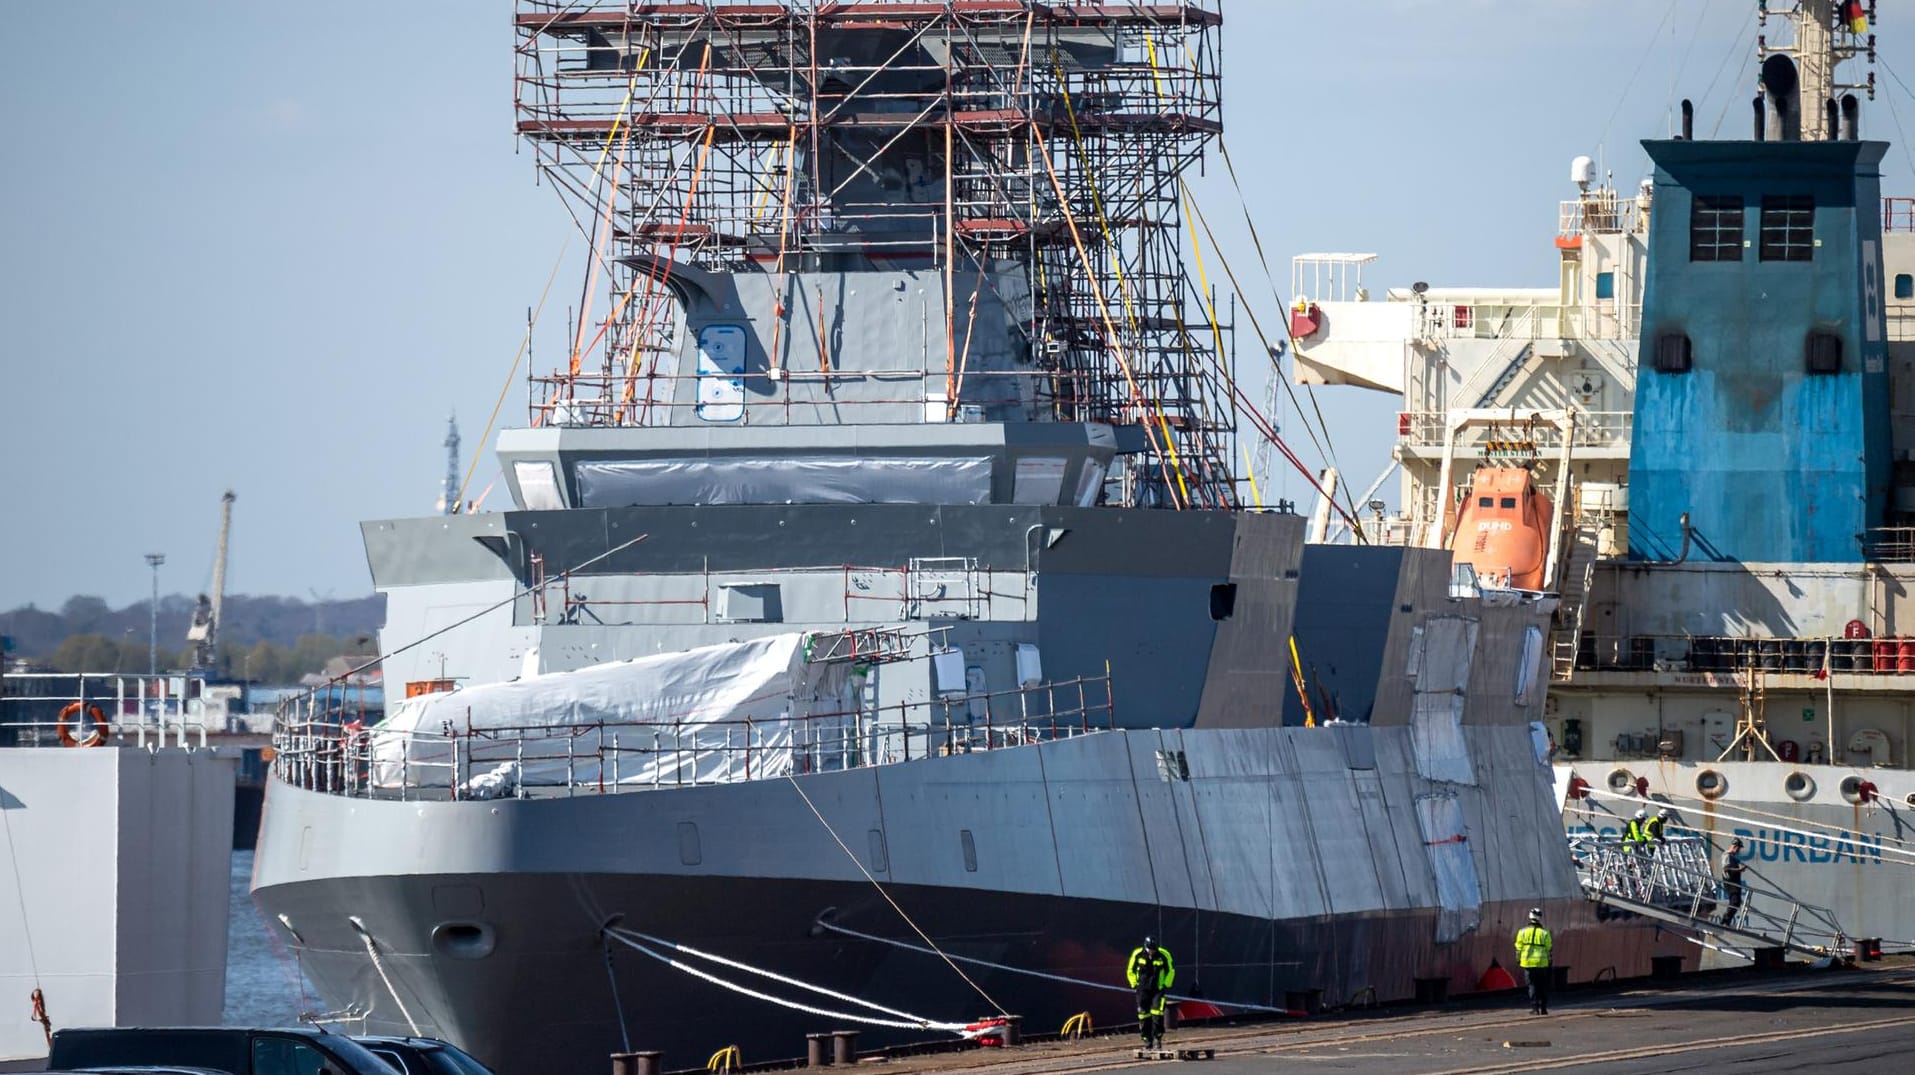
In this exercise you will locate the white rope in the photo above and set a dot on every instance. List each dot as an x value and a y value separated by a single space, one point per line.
916 1022
1048 976
379 965
763 973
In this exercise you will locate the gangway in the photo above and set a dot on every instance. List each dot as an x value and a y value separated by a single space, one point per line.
1670 881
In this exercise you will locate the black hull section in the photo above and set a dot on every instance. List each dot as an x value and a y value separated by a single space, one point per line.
543 999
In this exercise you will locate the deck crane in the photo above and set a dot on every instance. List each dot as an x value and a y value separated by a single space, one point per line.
204 633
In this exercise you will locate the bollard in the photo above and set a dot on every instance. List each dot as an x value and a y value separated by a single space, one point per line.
1013 1030
844 1046
647 1062
816 1055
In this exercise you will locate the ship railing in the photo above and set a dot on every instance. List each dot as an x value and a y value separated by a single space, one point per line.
1594 429
1890 544
1898 214
1901 320
72 708
1729 656
1599 212
1673 874
347 757
597 400
1600 319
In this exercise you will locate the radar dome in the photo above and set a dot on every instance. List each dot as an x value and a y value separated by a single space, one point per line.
1581 171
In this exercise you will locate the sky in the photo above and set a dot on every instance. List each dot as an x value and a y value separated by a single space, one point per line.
270 247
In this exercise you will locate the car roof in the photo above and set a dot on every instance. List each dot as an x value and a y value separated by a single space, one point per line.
398 1039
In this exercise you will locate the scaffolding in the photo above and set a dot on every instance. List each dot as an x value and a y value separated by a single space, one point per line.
982 140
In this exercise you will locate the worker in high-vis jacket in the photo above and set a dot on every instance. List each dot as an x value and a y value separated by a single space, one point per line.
1534 950
1636 836
1150 973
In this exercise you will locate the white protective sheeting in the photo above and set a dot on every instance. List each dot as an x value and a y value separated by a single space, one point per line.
727 712
1458 894
1440 659
721 480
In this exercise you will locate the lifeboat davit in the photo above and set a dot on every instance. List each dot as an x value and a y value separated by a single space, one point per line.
1503 529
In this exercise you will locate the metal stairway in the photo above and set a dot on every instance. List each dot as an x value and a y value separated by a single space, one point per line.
1566 639
1671 882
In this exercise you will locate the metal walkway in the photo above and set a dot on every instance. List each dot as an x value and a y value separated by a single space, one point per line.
1671 882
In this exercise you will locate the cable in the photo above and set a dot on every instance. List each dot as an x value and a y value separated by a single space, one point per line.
855 861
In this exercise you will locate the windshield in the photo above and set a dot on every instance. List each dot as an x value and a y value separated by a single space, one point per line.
462 1063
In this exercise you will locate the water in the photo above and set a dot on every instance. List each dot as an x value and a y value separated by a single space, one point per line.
263 987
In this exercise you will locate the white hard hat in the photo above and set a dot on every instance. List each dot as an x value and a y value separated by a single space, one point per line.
1642 813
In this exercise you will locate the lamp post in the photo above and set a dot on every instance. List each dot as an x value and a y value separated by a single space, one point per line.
154 560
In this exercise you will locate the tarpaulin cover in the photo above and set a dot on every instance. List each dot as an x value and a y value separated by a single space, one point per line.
1440 656
785 481
721 712
1458 894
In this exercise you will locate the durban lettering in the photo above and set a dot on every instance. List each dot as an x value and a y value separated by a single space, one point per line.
1782 845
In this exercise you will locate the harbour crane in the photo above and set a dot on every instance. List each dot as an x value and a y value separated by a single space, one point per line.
204 633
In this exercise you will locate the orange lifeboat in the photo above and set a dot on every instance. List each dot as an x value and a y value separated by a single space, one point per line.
1503 529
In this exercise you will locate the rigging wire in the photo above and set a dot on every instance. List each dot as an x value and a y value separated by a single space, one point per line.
855 861
1736 48
525 344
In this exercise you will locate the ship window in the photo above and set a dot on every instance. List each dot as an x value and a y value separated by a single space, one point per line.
1605 285
969 846
1788 227
1672 353
1485 502
1904 286
1823 353
1509 502
1715 228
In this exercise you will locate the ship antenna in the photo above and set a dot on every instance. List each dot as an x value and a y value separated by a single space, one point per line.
451 497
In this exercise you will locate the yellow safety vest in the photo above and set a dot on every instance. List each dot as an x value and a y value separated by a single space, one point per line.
1533 946
1140 965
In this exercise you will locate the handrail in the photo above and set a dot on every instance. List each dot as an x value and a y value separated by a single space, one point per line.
322 748
132 705
1671 879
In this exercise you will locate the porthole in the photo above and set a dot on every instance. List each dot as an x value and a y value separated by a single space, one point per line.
463 940
1856 790
1621 781
1799 786
1711 784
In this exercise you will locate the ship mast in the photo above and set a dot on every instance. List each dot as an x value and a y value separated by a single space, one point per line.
1806 90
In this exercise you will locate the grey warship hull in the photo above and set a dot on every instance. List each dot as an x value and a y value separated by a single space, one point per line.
1289 866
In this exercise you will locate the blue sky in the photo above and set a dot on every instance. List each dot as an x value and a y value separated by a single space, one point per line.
270 247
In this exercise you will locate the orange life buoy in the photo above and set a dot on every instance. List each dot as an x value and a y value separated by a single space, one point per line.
93 738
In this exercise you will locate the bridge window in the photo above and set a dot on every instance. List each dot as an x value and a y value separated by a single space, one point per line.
1904 286
1715 228
1788 227
1605 285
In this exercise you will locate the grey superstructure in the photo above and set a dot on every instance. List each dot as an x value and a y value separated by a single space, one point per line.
900 356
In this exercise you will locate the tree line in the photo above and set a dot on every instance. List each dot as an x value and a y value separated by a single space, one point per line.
266 640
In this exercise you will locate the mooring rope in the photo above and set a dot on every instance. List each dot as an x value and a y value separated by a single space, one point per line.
365 935
636 941
1047 975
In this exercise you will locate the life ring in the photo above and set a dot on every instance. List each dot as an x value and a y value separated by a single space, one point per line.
93 738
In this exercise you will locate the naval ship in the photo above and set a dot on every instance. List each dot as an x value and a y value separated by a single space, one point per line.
879 636
1710 422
